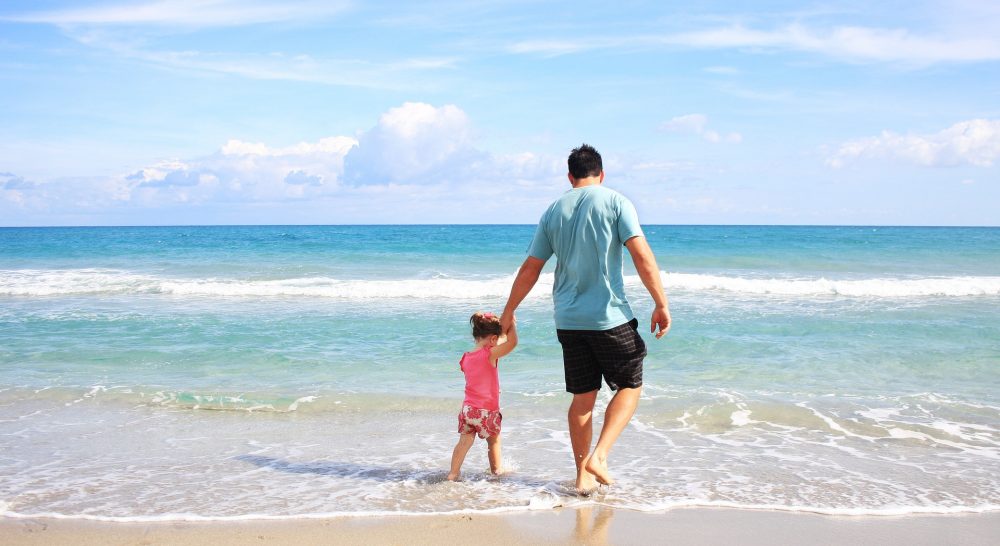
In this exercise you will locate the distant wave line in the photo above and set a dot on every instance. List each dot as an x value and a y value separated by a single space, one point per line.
886 287
68 282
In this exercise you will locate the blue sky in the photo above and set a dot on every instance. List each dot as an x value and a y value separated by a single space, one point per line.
325 112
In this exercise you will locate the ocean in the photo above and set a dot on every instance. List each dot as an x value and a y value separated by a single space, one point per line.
221 373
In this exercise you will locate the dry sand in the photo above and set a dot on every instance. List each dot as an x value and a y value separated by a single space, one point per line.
586 525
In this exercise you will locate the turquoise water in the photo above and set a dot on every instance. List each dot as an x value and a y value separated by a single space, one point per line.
297 371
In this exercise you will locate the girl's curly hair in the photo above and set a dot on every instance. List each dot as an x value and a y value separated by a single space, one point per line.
484 324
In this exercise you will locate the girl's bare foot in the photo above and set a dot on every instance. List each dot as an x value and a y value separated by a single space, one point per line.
598 466
452 477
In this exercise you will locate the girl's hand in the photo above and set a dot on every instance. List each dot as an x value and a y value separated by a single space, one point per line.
508 342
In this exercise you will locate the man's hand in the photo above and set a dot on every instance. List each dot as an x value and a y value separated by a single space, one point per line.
526 278
661 318
506 321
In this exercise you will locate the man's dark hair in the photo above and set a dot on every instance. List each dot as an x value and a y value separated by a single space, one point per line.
585 162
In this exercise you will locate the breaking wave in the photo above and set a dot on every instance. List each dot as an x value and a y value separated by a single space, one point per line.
71 282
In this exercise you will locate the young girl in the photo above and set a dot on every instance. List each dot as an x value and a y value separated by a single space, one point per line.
481 410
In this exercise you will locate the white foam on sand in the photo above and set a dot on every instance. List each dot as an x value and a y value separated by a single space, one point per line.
730 449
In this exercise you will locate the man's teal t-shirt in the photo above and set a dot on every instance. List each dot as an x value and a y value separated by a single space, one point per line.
586 229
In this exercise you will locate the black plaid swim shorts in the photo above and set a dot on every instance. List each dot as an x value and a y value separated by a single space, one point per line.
615 354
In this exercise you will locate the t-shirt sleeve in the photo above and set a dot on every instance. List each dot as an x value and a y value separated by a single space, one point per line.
628 222
541 247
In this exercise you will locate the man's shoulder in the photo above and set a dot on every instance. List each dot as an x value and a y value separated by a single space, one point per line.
554 205
614 194
564 200
610 199
601 196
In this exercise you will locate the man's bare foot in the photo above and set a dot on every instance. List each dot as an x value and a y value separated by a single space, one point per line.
452 477
598 466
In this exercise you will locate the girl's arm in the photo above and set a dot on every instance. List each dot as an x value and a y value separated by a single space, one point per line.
504 349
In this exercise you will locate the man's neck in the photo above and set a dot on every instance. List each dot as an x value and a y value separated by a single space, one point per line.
584 182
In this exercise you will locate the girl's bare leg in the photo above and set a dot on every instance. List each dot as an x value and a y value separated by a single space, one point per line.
493 443
458 456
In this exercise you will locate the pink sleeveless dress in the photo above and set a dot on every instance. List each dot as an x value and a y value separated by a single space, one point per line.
480 413
482 380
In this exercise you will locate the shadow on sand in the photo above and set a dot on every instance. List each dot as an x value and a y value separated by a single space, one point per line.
346 470
387 474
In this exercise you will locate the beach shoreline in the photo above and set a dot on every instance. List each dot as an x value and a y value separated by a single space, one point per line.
208 376
580 525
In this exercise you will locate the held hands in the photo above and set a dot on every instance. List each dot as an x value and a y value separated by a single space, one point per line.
508 332
661 318
507 321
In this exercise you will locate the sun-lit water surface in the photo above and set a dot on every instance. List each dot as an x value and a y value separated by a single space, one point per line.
230 372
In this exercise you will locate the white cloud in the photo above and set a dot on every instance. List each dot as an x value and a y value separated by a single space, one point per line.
694 123
178 178
189 13
13 188
164 174
413 141
555 48
975 142
418 163
527 166
338 145
413 148
697 124
242 172
415 151
406 73
300 178
111 29
10 181
849 43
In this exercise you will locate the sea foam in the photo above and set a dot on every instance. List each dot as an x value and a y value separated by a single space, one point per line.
65 282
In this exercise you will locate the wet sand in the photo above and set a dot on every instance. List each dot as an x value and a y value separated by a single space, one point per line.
594 525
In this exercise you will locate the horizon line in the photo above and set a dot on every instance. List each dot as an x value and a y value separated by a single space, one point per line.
486 224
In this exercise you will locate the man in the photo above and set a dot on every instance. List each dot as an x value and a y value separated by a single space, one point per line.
586 229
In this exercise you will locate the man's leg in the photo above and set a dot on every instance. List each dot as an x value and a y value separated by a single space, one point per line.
581 431
619 413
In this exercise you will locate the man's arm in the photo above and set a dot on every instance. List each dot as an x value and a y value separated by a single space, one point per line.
649 272
526 278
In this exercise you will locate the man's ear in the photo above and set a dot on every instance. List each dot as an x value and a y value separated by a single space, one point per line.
602 177
572 180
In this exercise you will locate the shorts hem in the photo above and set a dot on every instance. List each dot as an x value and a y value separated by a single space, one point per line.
583 391
614 356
